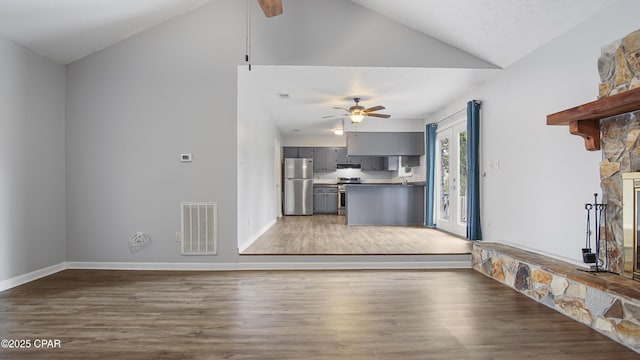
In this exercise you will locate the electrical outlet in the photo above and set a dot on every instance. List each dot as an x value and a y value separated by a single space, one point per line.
178 237
493 165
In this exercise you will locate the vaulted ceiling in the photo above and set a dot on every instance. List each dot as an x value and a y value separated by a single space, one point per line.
496 32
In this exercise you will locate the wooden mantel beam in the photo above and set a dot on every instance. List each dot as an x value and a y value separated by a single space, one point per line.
584 120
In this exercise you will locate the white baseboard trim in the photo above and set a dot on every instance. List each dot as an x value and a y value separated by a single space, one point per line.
34 275
417 265
272 265
244 245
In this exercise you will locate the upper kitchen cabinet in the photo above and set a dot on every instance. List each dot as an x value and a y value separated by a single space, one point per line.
289 152
297 152
305 152
367 163
325 158
377 163
341 156
385 143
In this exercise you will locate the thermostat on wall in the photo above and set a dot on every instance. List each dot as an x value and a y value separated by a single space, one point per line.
185 157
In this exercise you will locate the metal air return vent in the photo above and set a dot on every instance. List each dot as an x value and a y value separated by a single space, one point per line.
199 228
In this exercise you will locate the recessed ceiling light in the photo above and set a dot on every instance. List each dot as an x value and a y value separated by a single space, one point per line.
338 131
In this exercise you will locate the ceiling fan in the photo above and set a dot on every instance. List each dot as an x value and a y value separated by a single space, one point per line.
357 113
271 7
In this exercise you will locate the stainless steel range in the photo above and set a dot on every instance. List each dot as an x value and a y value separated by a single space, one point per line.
342 192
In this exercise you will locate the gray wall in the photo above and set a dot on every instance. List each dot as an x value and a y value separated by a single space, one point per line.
32 161
133 109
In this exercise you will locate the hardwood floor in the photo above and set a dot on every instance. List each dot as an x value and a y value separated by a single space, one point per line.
453 314
329 235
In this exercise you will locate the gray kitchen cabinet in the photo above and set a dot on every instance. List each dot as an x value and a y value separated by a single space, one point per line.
325 200
369 163
341 156
392 163
305 152
327 158
324 159
366 162
378 163
319 202
290 152
332 202
297 152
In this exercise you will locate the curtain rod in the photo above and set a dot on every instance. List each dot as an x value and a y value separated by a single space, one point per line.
450 116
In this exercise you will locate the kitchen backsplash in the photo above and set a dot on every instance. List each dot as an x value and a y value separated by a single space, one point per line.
331 177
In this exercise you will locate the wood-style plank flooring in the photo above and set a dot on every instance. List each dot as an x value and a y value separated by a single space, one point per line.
453 314
329 235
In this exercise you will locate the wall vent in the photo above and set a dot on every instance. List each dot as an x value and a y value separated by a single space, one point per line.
199 228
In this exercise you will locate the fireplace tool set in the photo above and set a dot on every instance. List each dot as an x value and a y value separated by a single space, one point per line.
588 255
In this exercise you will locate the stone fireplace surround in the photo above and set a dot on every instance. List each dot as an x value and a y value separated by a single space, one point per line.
619 70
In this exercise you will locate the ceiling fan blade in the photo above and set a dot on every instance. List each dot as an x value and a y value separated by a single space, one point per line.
271 7
375 108
379 115
330 116
339 108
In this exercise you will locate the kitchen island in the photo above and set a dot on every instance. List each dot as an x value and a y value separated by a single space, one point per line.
385 204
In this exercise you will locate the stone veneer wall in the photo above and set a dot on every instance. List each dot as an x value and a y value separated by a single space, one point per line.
621 154
615 316
619 70
619 65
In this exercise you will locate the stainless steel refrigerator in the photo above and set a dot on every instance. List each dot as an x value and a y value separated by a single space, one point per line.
298 186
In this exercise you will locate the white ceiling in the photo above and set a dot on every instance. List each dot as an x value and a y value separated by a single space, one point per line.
407 93
498 31
68 30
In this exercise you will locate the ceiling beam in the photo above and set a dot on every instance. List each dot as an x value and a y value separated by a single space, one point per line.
271 7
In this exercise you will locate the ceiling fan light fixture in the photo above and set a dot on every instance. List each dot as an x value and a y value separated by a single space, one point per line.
356 118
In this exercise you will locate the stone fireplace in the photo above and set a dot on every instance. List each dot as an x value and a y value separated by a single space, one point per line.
621 156
619 69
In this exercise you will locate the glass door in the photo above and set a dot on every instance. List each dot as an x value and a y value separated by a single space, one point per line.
451 179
